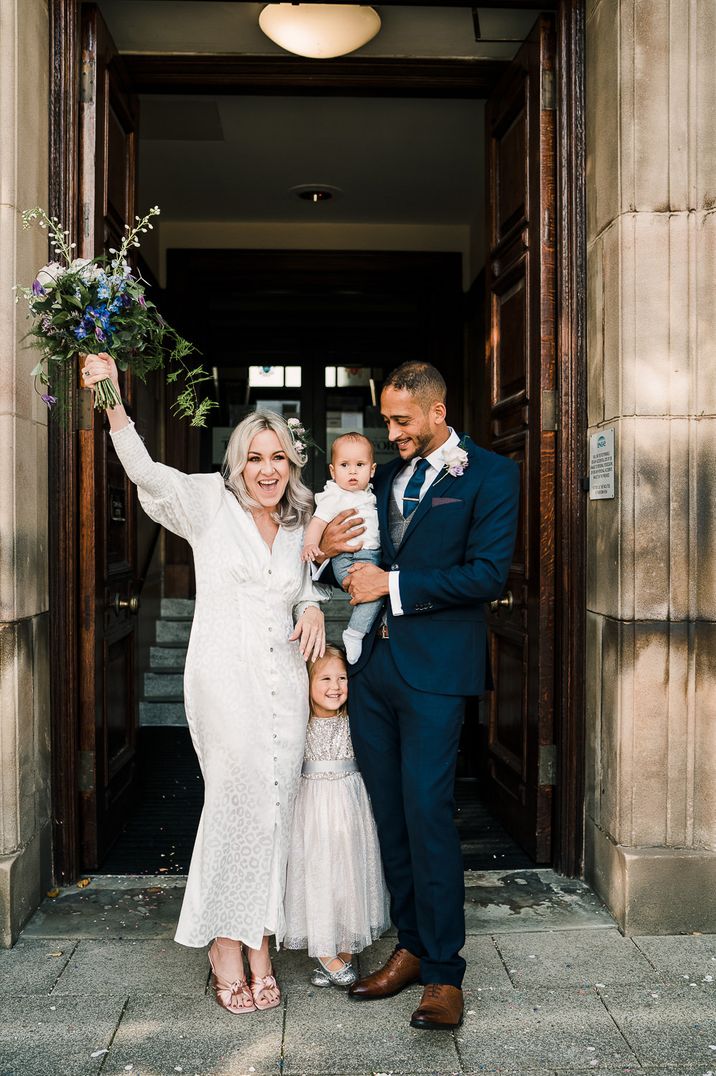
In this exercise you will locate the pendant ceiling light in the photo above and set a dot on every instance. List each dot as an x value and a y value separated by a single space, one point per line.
320 30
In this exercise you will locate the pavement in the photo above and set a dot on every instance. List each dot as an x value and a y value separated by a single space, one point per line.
96 985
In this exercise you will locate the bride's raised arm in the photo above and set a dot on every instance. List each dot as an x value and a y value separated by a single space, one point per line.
184 504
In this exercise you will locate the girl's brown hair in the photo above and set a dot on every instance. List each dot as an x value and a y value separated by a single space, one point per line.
330 652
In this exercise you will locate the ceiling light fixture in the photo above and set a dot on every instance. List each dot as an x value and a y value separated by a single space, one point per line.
320 31
315 193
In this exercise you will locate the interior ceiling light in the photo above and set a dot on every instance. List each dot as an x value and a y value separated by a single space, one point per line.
320 30
315 193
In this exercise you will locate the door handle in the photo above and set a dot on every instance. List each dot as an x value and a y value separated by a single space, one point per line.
508 603
132 604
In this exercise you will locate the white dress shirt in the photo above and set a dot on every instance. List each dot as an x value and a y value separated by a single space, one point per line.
436 464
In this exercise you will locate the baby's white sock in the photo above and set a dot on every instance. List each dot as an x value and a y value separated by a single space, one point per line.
353 642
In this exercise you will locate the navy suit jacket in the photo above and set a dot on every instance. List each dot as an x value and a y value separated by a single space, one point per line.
455 557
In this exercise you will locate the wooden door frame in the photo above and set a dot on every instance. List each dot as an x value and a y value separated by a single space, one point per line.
417 78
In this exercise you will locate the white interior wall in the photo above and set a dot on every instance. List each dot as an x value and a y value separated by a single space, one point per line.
282 235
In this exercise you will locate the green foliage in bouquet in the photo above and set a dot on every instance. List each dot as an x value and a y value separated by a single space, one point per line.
90 305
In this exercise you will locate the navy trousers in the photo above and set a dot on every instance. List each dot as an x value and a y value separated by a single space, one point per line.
406 744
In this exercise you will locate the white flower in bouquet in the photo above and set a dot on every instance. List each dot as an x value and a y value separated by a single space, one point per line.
48 276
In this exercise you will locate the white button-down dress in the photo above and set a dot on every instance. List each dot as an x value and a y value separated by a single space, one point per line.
245 694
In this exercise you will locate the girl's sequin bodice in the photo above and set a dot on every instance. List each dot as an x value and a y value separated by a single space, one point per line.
327 739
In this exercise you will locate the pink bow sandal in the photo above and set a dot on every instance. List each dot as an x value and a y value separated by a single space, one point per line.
235 997
259 984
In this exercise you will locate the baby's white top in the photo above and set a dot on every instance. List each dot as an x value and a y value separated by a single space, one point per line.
333 500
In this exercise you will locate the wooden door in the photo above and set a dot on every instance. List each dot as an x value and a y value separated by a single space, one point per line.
107 504
521 361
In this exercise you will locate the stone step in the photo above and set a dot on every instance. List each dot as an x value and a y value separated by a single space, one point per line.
177 608
166 657
161 713
173 632
163 686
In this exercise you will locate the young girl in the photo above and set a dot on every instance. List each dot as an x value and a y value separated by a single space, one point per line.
336 902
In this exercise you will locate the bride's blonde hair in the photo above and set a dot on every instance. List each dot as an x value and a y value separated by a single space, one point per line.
296 506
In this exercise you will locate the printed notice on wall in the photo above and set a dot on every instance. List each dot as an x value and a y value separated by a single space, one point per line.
601 465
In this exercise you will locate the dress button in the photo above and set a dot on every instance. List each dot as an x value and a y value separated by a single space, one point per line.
394 567
276 783
275 736
278 804
269 629
269 571
270 650
273 692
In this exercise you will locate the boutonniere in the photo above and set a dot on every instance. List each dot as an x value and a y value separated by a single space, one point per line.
455 462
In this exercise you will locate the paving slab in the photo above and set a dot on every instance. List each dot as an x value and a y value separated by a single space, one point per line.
328 1033
688 957
56 1036
578 958
675 1024
498 902
34 965
136 967
108 907
159 1036
540 1029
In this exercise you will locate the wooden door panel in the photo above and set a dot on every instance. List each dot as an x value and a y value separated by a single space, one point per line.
510 303
107 573
520 288
510 140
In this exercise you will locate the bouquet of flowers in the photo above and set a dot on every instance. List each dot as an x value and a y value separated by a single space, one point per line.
89 305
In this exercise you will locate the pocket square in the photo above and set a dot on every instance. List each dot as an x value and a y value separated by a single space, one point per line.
437 501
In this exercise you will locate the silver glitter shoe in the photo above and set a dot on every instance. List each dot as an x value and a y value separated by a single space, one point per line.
342 978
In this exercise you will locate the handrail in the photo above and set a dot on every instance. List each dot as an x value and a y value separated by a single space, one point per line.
142 577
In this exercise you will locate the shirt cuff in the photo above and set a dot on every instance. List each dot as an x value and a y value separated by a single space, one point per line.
394 589
318 569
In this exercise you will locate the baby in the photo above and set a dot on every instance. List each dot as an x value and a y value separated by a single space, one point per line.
352 467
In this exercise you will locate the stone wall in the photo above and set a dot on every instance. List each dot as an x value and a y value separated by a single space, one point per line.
651 654
25 810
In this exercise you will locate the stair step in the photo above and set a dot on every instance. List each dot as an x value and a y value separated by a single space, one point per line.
178 608
173 632
163 685
161 713
166 657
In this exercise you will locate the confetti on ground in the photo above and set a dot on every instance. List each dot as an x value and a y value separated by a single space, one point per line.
98 1053
56 953
83 883
52 893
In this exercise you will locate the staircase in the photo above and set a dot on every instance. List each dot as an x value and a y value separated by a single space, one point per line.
162 701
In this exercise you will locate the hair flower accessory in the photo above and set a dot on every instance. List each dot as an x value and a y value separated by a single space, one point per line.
301 437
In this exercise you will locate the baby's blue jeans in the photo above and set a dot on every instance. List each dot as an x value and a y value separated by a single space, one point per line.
363 616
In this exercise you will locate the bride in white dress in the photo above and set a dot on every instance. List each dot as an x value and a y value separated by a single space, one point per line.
245 682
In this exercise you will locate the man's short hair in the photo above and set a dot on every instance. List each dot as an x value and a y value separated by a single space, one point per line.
421 380
353 436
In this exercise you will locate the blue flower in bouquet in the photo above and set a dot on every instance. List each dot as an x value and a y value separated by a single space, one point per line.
80 332
37 288
103 288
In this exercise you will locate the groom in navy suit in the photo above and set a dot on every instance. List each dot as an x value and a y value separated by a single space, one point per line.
448 517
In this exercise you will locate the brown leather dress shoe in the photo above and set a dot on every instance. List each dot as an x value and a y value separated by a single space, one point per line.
440 1008
400 970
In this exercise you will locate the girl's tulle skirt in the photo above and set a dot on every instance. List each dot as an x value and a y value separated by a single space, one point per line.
336 900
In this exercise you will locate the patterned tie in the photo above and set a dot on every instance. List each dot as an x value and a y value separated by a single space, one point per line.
411 497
